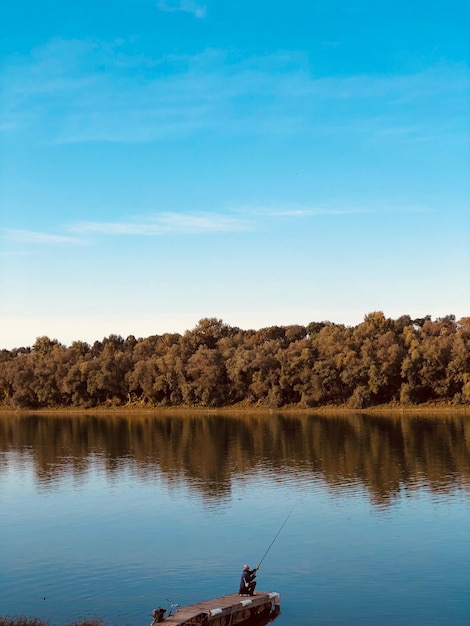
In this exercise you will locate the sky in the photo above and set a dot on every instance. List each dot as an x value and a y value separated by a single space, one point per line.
261 162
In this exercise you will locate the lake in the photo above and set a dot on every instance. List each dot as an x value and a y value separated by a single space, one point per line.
111 515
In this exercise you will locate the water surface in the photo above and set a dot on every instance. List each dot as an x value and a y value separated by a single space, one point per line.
110 515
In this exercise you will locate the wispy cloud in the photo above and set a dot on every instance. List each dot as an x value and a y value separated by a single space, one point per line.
240 220
337 209
37 237
165 224
186 6
312 212
72 91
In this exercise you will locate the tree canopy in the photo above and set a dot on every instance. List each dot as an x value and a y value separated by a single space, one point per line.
379 361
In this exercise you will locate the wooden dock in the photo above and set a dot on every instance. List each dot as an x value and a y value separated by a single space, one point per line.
228 610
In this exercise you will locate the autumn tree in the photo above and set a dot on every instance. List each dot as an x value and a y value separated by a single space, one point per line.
379 361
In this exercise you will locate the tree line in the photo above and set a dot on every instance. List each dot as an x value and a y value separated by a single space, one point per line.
380 361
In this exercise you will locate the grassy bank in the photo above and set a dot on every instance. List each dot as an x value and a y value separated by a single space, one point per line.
244 408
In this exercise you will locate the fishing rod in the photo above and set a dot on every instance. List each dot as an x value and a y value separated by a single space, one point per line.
277 535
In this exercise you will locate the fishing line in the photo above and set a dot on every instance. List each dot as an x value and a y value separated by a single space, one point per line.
277 535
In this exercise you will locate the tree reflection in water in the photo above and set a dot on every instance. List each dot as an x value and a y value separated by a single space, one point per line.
207 452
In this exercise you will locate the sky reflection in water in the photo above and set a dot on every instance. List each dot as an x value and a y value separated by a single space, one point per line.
109 516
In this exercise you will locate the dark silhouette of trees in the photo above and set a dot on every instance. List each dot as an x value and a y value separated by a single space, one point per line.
379 361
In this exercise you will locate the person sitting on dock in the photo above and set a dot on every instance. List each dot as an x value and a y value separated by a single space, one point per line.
247 581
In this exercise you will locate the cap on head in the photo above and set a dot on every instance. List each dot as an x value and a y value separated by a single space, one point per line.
246 567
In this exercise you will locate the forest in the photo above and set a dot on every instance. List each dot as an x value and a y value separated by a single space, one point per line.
380 361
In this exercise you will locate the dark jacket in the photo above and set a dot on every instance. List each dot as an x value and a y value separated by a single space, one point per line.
246 581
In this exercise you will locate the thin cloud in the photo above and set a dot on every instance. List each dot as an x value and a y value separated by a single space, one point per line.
166 224
313 212
334 211
37 237
83 91
200 223
208 223
185 6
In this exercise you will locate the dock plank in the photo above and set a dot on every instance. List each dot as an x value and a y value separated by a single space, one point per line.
230 601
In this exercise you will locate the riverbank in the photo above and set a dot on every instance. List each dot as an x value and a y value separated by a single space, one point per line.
243 408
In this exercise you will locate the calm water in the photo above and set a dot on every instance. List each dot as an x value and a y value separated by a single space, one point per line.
108 516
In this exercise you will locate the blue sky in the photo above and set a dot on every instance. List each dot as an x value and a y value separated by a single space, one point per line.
265 163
